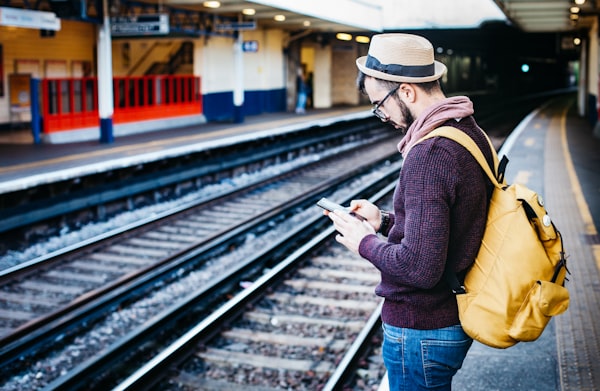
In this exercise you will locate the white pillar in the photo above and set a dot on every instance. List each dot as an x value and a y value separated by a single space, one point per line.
582 84
238 87
105 79
593 82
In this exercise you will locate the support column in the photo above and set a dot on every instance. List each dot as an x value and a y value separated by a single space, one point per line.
105 79
582 83
238 88
594 82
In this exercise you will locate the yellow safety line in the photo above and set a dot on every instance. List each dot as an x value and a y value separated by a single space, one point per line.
584 209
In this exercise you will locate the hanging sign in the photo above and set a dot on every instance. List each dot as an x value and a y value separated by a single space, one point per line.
251 25
18 17
152 24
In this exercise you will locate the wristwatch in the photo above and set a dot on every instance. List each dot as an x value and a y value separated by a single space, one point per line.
385 221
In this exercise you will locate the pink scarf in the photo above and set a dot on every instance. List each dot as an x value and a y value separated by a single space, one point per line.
457 107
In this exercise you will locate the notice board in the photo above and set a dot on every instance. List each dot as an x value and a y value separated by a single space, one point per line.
19 85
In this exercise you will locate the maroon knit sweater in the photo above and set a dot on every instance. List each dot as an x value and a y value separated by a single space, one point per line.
440 208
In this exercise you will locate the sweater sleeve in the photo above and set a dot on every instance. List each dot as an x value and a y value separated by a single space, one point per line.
415 254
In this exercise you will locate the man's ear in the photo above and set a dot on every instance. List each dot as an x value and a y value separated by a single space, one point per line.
407 92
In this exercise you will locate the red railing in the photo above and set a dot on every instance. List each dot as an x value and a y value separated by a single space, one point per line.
69 104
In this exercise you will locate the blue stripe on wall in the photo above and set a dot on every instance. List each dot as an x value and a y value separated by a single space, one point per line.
219 106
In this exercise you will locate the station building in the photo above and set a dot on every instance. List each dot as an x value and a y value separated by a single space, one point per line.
75 70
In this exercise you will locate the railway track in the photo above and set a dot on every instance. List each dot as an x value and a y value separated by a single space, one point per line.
294 337
165 241
316 289
35 215
310 323
42 285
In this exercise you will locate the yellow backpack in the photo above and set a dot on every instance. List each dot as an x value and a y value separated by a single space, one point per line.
516 283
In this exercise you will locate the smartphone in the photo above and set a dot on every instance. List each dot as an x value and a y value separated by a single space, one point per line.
331 206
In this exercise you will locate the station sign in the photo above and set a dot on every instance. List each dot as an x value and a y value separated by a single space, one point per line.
567 43
136 25
17 17
250 46
238 26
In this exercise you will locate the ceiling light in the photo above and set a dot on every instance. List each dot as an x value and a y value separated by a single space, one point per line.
574 17
249 11
577 41
343 36
211 4
279 18
362 39
579 2
574 10
306 23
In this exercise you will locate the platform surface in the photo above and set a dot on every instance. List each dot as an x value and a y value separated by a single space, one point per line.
554 152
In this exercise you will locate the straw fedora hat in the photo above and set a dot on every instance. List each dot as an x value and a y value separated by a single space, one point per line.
401 58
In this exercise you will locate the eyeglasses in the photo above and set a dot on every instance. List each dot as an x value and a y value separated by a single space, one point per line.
378 113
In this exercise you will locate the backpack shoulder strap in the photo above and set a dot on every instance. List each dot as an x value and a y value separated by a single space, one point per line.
498 180
466 141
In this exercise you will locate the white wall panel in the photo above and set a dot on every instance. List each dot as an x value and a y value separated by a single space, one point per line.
217 73
344 73
322 77
254 76
273 67
263 70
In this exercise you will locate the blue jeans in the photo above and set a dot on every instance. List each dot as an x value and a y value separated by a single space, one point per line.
301 102
423 359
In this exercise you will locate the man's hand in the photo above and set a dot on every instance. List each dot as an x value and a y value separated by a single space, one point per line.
366 209
351 229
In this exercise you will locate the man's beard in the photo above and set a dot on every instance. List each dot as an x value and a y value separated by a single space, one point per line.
407 115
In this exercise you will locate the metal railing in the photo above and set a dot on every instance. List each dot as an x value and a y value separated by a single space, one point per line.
72 103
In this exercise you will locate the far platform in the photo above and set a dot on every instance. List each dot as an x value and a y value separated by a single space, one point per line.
25 164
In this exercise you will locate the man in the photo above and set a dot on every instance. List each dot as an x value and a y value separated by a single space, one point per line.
301 92
440 205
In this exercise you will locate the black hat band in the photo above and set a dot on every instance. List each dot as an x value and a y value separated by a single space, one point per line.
400 70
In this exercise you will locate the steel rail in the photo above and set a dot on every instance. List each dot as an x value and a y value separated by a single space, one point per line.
35 334
79 378
149 374
37 338
32 264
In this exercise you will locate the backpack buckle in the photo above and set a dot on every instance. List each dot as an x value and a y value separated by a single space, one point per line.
459 291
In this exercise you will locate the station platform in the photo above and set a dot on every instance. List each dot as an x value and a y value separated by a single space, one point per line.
553 151
24 164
